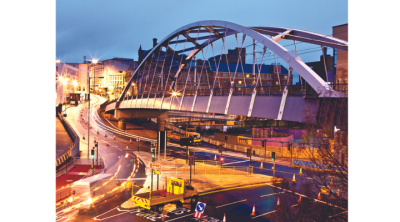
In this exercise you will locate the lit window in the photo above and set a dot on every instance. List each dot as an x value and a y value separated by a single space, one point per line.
262 76
285 77
240 82
268 76
247 75
277 83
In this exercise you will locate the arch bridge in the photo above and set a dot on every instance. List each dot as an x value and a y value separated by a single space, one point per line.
177 74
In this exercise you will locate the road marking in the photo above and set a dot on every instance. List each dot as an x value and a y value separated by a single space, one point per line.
233 188
178 217
337 214
232 203
263 214
271 194
309 197
235 162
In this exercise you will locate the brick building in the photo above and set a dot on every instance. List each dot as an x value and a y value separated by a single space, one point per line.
341 56
244 76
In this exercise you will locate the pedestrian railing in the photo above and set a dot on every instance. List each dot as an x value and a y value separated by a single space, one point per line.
203 169
61 194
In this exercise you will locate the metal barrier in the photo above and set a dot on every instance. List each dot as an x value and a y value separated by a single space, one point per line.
231 170
63 194
73 150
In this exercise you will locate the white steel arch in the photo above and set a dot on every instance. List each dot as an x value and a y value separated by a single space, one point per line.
259 34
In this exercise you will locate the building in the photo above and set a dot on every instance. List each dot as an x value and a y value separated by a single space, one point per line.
76 76
245 77
340 56
319 67
114 75
231 57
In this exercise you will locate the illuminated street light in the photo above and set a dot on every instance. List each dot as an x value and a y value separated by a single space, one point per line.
95 61
174 94
58 61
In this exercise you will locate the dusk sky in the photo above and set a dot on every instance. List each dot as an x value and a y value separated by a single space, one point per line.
106 29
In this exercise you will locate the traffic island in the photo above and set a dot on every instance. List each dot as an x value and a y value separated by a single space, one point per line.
209 176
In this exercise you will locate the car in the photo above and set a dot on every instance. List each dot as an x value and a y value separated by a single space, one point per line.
325 190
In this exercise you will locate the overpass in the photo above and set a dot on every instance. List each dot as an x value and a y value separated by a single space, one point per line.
164 79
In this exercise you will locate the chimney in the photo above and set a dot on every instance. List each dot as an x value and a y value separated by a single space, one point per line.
154 42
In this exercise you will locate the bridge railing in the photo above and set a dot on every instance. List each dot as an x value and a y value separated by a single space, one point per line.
268 90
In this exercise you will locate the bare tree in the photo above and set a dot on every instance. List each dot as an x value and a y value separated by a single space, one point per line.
326 162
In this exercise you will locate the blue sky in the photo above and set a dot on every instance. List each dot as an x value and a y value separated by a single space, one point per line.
105 29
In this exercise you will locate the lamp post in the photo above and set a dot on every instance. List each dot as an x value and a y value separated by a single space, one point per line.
64 82
94 62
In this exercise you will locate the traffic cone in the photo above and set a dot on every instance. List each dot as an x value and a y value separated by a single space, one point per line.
319 196
105 135
224 220
254 211
261 165
114 136
127 148
331 181
215 157
294 178
107 143
130 140
277 204
338 192
299 201
300 172
97 131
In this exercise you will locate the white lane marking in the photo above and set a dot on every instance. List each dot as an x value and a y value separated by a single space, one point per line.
178 217
232 203
309 197
263 214
95 218
270 194
337 214
235 162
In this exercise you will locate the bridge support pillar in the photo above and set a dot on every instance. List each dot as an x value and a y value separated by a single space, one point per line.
161 136
122 124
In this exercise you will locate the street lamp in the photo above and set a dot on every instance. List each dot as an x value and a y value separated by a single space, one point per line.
75 83
94 61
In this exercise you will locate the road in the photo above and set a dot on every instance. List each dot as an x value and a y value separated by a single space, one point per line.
237 203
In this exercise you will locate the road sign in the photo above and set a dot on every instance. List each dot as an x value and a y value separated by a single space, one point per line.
157 172
191 160
186 141
199 209
155 166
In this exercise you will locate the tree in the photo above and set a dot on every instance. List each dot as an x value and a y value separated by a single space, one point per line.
326 163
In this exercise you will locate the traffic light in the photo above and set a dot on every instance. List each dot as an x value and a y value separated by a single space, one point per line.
221 159
153 154
248 152
92 154
96 144
273 156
